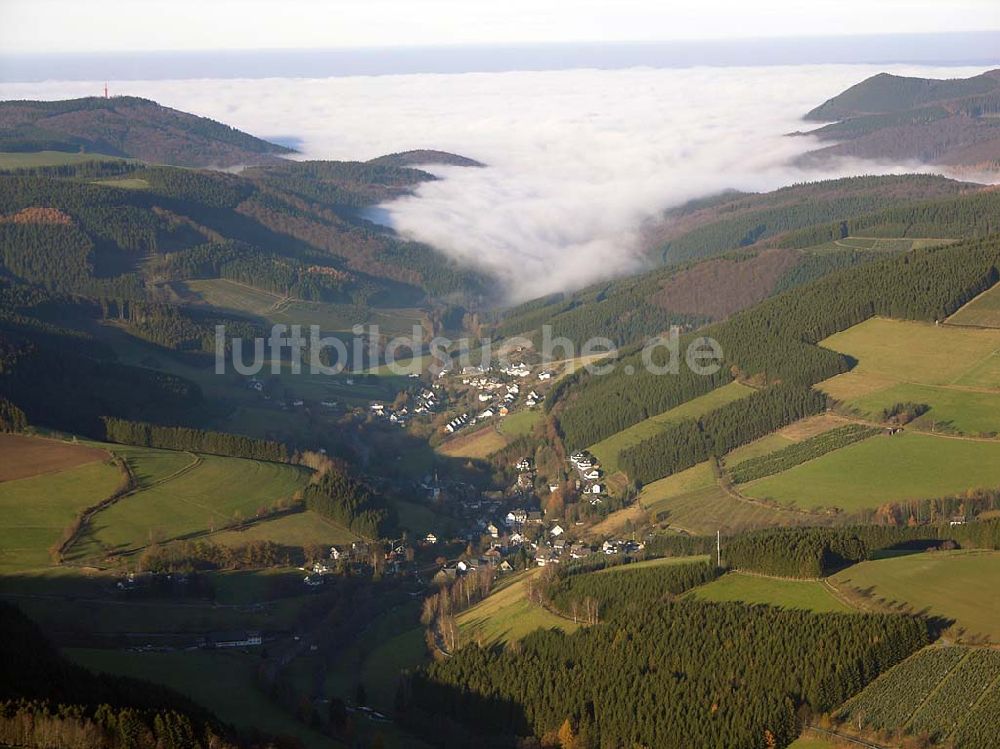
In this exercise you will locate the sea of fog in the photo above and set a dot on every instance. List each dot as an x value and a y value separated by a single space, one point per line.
577 160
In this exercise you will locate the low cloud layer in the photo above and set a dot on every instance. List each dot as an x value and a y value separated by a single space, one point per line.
578 159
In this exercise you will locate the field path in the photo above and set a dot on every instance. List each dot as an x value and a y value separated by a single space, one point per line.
131 487
848 739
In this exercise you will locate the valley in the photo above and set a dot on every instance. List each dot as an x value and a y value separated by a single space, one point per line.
795 548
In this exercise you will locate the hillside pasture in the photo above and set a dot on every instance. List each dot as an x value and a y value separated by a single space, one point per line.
983 311
955 371
22 456
881 244
200 499
811 595
789 435
292 529
896 352
969 412
32 159
883 469
507 615
608 450
232 296
520 422
34 511
908 351
478 444
956 585
693 501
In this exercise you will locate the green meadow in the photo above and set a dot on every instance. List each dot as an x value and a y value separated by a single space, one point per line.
35 511
693 501
507 615
883 469
30 159
957 585
811 595
984 310
199 499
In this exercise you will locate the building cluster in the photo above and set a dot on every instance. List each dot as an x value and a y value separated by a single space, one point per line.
590 476
360 557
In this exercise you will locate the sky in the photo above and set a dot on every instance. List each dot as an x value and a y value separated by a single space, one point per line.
101 26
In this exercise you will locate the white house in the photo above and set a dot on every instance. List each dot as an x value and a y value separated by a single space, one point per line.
597 489
557 530
493 530
431 538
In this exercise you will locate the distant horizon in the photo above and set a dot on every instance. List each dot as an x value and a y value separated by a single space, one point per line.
941 49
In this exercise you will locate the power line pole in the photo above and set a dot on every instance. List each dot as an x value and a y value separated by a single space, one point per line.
718 548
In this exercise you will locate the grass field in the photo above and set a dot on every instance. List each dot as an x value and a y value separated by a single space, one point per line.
236 297
693 501
608 450
478 444
915 351
125 183
34 511
984 310
954 370
882 244
789 594
28 159
331 318
959 585
661 562
789 435
969 412
884 469
507 615
22 456
296 529
520 422
201 498
811 741
224 682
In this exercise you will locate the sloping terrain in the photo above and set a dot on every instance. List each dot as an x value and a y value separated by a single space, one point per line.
130 126
894 118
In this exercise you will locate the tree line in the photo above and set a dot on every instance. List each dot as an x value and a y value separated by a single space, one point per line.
687 443
811 552
776 339
195 440
800 452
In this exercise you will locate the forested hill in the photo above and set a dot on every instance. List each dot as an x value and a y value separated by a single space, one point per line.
949 122
726 253
130 126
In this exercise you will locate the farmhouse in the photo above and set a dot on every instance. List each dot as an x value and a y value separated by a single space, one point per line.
241 639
